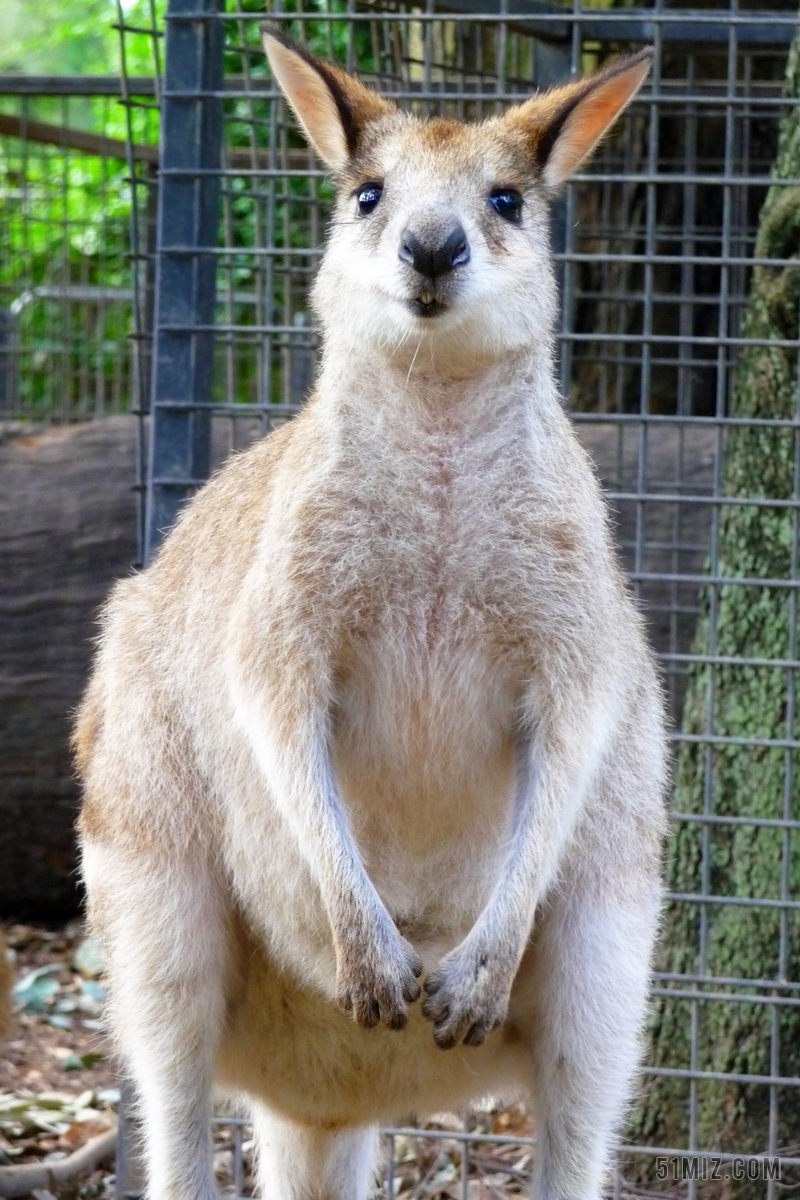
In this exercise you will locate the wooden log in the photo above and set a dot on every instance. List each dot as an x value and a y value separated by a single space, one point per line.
67 530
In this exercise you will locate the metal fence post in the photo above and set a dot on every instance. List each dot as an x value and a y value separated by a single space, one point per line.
8 361
183 341
129 1174
188 219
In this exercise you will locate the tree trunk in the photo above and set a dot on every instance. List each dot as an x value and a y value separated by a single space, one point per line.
756 781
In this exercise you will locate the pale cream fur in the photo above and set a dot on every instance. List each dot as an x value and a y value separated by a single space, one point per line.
382 710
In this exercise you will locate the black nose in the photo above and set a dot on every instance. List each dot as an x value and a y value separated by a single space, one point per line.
434 258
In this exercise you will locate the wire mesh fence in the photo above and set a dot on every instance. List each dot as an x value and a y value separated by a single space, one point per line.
667 367
65 281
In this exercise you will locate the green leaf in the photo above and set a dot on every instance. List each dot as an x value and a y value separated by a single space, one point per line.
80 1062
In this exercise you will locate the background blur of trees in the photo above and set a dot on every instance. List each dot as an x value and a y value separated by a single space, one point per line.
68 37
64 216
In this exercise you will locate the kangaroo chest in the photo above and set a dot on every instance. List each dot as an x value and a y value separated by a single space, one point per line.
439 541
428 683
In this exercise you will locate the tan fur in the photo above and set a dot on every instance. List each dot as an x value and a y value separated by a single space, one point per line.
381 710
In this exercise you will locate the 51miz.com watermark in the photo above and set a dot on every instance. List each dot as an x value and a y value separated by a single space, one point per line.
683 1170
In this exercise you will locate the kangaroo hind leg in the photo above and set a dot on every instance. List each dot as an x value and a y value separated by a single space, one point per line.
164 931
591 964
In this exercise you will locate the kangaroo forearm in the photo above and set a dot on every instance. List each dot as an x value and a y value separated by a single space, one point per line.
295 767
548 803
376 969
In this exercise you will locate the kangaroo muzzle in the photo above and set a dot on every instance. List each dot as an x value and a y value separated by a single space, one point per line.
434 254
434 250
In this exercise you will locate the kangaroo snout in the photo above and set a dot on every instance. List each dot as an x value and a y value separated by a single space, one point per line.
434 252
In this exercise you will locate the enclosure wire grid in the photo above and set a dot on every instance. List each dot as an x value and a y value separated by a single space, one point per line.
658 245
65 295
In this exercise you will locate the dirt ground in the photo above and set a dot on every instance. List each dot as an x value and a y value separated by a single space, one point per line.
58 1088
56 1042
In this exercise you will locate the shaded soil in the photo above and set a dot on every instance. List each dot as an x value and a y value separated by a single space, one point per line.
39 1056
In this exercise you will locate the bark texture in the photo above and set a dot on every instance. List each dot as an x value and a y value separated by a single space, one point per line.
758 782
67 530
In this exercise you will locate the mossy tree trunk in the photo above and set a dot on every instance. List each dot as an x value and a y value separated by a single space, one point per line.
758 704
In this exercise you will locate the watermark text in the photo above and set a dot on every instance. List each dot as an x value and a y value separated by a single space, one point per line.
708 1169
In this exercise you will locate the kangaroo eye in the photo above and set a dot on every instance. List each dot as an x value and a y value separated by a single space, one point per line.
507 203
368 197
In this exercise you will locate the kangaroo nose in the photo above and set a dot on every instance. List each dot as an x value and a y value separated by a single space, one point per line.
432 259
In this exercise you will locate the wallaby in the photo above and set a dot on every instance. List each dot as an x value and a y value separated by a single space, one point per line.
380 718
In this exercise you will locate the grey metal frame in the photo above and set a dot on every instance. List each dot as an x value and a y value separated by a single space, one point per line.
655 245
185 292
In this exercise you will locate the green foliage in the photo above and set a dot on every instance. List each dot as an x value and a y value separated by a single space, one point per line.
71 37
64 216
64 225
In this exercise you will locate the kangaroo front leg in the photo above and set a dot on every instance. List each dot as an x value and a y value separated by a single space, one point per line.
282 701
467 994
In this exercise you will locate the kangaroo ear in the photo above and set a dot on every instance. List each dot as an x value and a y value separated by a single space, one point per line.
332 106
564 125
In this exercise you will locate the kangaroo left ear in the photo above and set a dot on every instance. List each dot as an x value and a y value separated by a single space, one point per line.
332 106
564 125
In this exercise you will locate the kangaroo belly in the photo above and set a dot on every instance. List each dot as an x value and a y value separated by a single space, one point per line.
296 1051
425 761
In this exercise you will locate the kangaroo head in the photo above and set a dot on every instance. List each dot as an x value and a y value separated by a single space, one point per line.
440 232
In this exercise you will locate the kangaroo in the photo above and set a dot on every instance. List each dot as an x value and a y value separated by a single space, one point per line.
373 753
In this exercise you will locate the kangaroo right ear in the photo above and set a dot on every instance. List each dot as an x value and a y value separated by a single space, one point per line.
332 106
564 125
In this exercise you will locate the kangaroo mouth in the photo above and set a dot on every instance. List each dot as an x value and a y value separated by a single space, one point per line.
427 304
